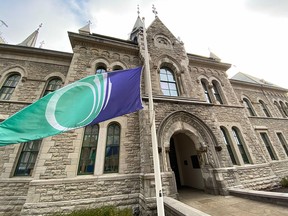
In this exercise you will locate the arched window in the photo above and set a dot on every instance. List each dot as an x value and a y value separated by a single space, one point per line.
168 83
9 86
88 151
249 107
206 92
101 69
279 108
228 144
53 85
283 108
117 67
27 159
264 108
111 164
268 146
239 142
215 89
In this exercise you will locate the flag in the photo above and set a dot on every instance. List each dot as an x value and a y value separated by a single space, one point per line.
88 101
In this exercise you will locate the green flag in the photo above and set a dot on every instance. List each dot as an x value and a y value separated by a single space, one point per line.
88 101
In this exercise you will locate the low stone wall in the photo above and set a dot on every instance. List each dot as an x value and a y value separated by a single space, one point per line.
11 205
65 195
176 208
257 177
45 208
280 168
13 194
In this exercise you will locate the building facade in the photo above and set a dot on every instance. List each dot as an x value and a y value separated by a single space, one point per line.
213 133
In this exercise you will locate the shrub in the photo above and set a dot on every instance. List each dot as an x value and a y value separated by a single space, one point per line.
284 182
103 211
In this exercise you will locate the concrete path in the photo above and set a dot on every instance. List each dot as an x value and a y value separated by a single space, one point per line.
229 205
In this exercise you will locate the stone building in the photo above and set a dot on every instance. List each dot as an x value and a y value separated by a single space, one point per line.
214 133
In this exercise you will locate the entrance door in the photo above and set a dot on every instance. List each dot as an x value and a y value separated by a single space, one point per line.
173 162
184 162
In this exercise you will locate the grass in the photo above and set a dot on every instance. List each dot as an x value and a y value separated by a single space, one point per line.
103 211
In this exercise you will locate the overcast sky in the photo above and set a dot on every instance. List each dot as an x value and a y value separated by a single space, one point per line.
250 34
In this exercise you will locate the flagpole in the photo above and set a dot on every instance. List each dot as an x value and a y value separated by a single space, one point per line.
157 173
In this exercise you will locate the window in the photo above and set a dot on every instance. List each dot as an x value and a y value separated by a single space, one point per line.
215 89
249 107
167 82
268 145
27 158
283 142
205 89
100 69
53 85
239 143
264 108
228 145
117 67
283 108
9 86
88 151
279 108
111 164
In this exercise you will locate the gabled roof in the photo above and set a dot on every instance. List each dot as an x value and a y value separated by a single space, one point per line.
242 77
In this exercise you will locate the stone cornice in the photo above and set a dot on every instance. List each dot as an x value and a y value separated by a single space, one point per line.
102 41
258 85
34 52
201 60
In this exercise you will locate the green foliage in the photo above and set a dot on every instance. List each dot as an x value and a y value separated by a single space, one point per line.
284 182
103 211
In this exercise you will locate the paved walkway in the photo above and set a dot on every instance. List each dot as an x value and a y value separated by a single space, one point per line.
229 205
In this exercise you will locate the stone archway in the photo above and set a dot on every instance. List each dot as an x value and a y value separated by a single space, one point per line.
201 143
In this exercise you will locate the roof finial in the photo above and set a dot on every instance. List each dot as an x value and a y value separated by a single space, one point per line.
154 10
39 26
89 22
3 23
41 44
138 10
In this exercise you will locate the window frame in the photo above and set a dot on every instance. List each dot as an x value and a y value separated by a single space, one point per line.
269 148
241 145
22 154
249 107
265 109
205 88
217 92
47 91
108 147
10 88
92 148
229 145
168 82
283 142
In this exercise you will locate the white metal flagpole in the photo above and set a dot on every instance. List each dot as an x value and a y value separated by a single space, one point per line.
157 173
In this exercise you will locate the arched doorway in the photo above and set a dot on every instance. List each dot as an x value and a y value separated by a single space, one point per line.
184 162
188 153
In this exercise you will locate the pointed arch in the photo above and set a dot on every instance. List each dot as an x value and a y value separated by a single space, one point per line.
194 128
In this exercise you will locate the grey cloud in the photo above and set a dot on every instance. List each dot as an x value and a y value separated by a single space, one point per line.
276 8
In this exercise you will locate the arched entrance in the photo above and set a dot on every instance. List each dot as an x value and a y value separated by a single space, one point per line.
184 162
188 152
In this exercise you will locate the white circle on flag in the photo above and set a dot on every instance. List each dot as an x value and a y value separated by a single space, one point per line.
52 104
